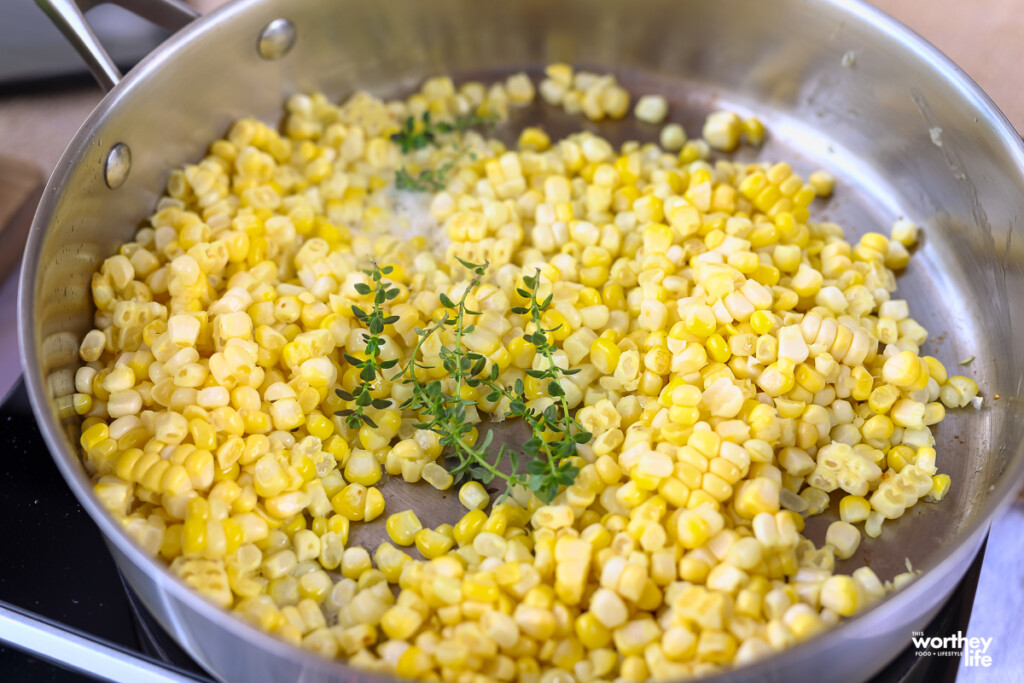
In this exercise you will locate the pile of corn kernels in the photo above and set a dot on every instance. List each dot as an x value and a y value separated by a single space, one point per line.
738 363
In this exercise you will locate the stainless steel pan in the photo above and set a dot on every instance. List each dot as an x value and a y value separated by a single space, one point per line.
904 129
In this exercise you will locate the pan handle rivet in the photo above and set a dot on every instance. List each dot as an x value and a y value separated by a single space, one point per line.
117 165
276 39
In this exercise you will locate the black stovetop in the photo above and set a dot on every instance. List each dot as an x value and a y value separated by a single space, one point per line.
55 565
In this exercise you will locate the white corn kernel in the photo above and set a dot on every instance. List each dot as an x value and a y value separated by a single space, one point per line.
651 108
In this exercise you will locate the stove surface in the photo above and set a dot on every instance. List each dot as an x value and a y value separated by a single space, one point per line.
56 572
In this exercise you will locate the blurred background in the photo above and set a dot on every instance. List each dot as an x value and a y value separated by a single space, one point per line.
46 94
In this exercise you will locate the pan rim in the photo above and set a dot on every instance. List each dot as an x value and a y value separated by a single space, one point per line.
67 457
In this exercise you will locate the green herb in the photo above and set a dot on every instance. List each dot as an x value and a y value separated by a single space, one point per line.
556 433
967 361
550 466
445 414
430 180
370 368
554 469
415 135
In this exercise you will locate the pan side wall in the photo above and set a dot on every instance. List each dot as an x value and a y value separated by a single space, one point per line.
874 119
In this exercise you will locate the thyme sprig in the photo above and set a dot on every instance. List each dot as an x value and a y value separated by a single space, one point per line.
428 180
555 469
441 403
446 413
420 134
371 368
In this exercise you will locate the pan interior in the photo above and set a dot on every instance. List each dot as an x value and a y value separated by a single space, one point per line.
863 201
902 132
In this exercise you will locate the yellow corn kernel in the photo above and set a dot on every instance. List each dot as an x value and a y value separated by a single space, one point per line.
762 322
350 502
535 139
940 487
757 495
432 544
467 528
374 506
473 496
92 436
854 509
400 622
437 476
958 391
194 536
902 369
877 428
522 352
319 426
604 354
403 526
753 131
591 632
337 447
821 182
362 468
718 348
355 562
839 594
556 325
905 232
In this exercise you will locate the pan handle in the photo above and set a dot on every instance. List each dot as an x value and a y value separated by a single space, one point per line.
69 16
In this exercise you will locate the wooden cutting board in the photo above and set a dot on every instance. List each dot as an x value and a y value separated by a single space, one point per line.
985 39
21 186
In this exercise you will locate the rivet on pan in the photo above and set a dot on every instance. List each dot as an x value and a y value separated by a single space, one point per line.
117 166
276 39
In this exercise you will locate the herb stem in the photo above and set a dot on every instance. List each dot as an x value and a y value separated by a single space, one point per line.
370 368
535 314
410 365
556 433
460 331
416 135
